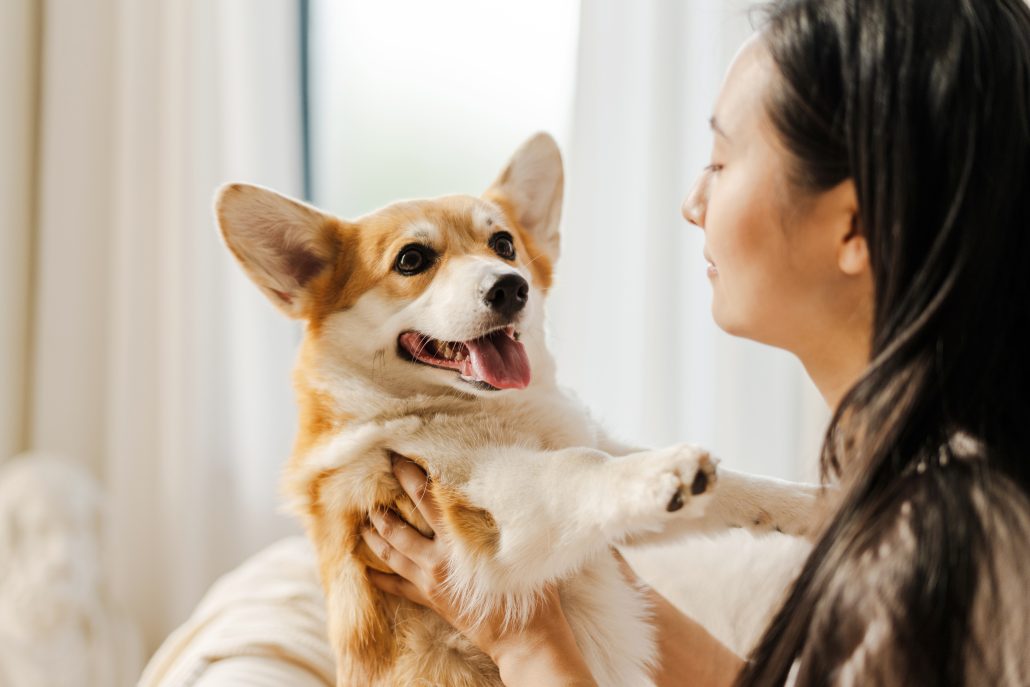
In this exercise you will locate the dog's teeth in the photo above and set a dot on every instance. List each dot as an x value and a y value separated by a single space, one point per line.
448 350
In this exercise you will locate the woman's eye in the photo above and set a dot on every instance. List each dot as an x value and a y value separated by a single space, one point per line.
712 168
413 259
503 245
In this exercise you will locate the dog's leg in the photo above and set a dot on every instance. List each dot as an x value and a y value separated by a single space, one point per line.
357 614
544 513
759 504
361 638
333 490
764 504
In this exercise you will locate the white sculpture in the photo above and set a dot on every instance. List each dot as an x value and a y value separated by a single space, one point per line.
57 625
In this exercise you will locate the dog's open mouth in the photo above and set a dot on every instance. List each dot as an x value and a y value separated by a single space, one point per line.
496 360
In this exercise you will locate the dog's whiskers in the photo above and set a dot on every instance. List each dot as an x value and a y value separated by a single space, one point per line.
380 357
530 262
421 497
422 346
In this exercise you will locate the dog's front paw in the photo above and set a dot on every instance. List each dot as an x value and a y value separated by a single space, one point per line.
666 481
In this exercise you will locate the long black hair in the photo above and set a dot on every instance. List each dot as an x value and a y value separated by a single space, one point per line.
925 105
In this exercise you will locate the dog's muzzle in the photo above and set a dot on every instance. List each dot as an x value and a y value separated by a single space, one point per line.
508 295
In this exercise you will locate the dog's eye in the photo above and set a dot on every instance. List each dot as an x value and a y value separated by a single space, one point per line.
503 245
413 259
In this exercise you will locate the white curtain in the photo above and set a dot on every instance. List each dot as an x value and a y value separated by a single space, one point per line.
149 357
630 314
18 83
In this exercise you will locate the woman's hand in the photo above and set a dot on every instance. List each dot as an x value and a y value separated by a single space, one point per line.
420 563
542 652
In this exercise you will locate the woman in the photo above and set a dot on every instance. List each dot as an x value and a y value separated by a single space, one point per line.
867 208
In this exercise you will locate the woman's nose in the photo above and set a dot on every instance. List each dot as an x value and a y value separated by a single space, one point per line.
696 202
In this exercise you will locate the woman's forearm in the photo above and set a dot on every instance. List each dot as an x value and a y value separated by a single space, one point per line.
549 657
688 654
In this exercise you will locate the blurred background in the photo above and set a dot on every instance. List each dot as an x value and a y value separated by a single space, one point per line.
132 347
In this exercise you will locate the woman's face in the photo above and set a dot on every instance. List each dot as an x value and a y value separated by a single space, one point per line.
775 262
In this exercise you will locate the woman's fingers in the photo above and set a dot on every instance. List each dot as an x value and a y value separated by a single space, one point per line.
416 484
406 541
396 585
389 554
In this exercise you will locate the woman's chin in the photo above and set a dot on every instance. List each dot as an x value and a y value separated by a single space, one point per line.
729 321
720 315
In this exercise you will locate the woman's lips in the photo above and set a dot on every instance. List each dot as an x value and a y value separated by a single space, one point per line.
712 270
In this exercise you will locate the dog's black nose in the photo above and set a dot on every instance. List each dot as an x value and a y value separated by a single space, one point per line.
508 295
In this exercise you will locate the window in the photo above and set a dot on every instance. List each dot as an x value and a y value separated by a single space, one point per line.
417 99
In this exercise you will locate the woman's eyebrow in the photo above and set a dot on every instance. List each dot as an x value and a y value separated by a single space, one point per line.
714 124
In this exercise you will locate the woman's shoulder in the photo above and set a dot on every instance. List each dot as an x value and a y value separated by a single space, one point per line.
959 502
957 496
932 582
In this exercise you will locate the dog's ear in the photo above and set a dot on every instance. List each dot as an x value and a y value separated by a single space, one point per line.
281 243
531 187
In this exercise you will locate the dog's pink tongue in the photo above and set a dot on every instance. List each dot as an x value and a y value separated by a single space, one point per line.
499 361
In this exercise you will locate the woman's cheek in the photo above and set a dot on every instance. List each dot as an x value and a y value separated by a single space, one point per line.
722 226
736 226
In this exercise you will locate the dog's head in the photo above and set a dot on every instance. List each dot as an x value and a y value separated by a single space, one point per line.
425 295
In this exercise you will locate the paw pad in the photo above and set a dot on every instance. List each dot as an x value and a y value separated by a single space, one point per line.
700 483
676 502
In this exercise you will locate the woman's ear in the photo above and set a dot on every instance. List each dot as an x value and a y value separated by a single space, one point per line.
852 249
853 255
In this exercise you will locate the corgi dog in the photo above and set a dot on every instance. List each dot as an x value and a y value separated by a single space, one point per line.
424 338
